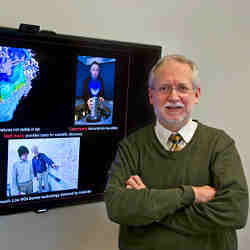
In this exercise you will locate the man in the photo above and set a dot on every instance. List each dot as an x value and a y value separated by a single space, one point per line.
40 163
186 193
22 174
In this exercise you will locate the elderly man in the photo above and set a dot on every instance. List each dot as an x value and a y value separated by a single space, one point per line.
177 184
40 163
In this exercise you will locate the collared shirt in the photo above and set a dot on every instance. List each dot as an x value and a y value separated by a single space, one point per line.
186 132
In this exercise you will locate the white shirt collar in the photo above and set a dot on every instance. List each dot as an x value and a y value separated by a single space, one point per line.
186 132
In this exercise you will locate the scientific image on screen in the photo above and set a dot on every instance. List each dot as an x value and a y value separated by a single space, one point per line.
42 165
18 67
94 90
30 82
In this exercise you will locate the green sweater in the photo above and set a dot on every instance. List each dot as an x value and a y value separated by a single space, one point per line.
164 216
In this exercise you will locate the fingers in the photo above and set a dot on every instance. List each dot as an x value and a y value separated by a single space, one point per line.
129 186
90 103
204 193
91 100
135 182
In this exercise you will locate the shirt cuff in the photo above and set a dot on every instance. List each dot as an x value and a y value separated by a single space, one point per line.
188 195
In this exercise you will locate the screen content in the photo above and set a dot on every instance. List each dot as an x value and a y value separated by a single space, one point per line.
62 114
94 90
18 67
42 165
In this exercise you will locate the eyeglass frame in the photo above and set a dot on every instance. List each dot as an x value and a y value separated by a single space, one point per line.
185 89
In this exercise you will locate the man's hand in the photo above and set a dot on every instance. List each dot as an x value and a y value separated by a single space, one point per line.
91 100
90 103
54 166
135 182
204 193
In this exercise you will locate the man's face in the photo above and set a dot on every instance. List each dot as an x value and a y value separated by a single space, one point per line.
173 109
24 157
94 71
34 150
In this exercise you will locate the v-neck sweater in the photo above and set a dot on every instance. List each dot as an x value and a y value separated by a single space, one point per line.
165 215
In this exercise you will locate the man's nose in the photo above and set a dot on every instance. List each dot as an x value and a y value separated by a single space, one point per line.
174 94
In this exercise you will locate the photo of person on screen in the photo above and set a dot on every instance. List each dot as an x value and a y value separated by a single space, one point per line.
22 175
93 86
40 164
94 90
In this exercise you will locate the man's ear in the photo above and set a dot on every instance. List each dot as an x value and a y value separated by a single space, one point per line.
150 95
197 95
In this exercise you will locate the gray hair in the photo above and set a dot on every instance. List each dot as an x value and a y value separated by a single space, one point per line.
180 59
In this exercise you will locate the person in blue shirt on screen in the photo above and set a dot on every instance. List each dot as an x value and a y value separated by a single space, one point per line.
93 85
40 163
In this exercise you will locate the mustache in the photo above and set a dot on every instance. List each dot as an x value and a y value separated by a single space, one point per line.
174 105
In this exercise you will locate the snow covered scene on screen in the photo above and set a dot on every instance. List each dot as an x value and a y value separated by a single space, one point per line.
42 165
18 67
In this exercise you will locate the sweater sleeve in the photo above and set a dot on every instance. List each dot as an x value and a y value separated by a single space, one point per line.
228 210
139 207
46 159
86 94
14 182
102 87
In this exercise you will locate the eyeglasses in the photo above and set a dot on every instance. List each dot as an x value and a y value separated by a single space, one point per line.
166 89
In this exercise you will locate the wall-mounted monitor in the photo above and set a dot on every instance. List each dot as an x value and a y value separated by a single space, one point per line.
65 102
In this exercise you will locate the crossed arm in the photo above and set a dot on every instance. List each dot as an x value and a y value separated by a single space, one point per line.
202 193
185 209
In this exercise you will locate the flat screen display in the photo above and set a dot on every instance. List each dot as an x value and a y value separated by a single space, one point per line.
63 110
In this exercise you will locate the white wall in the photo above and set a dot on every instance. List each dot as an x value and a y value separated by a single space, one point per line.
214 33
